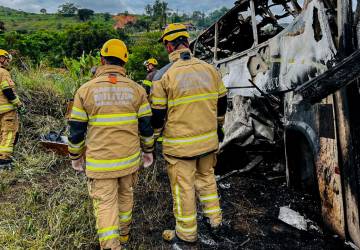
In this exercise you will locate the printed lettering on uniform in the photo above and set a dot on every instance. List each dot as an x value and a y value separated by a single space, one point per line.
109 96
191 80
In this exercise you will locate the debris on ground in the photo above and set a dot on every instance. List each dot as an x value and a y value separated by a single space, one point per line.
293 218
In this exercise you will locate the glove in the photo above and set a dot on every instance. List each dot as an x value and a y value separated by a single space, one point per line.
22 110
78 165
148 159
221 134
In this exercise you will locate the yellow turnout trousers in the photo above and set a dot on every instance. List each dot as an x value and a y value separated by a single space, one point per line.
113 204
190 178
9 125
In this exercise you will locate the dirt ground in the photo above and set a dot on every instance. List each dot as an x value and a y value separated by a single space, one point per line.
250 204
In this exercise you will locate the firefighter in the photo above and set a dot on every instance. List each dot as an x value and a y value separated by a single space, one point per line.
150 65
110 124
189 103
9 103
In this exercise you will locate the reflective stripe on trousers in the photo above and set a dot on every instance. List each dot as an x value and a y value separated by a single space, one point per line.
108 233
208 197
125 216
7 147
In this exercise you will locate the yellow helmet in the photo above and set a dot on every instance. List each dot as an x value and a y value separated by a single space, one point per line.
115 48
5 54
173 31
152 61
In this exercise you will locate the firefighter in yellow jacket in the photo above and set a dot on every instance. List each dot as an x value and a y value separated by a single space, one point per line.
9 103
150 65
110 123
189 104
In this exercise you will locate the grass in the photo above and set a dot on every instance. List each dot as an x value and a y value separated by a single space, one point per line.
43 203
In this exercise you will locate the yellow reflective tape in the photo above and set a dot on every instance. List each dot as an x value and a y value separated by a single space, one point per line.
186 218
4 84
125 213
113 236
147 140
9 139
112 165
6 107
116 168
106 229
6 149
178 199
108 233
209 197
148 83
76 145
125 216
190 140
222 90
113 119
144 110
78 114
15 101
193 98
186 230
159 101
96 203
212 210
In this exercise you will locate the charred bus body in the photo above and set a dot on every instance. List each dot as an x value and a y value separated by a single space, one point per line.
291 68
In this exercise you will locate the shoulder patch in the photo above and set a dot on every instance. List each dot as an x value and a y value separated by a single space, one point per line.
159 74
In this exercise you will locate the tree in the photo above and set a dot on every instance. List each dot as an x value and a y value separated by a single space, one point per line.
107 16
175 18
67 9
215 15
149 10
43 11
159 12
198 18
85 14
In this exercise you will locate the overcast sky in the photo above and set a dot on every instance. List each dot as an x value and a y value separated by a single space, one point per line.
116 6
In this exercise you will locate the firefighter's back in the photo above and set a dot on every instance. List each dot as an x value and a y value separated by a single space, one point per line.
192 89
112 104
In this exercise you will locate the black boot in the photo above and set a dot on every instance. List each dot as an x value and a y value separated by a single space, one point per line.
6 164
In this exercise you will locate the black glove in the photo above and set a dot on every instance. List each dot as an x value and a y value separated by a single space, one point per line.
220 133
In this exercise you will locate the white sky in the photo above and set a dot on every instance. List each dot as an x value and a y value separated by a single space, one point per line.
116 6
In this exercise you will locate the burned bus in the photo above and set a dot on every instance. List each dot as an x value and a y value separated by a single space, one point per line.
292 70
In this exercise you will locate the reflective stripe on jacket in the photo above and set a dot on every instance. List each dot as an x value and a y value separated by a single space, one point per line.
6 85
189 90
115 114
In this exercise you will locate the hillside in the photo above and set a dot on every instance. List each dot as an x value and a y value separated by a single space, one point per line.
26 22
